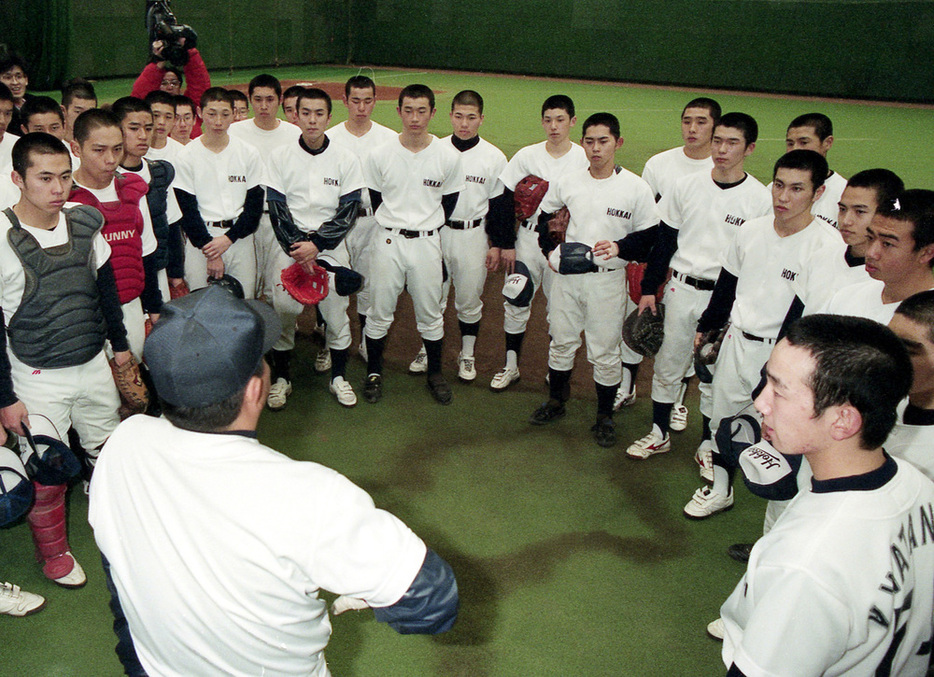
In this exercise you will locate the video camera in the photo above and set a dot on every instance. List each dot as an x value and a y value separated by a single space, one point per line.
162 25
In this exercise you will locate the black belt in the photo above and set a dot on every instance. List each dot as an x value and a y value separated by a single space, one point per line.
759 339
464 225
696 282
412 234
220 224
528 224
365 212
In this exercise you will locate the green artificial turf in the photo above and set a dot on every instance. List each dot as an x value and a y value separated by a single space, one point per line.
571 559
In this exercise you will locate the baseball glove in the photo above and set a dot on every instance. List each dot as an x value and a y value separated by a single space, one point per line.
130 385
227 282
635 271
558 225
706 353
644 333
528 196
304 287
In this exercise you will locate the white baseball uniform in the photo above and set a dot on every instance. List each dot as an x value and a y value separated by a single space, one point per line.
168 152
535 160
406 249
313 184
360 239
219 545
220 182
267 143
663 170
912 438
771 271
843 584
862 299
9 193
464 241
706 217
600 209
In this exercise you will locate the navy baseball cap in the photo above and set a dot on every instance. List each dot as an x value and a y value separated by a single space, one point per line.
207 345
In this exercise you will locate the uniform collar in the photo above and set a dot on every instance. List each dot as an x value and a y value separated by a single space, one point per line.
865 482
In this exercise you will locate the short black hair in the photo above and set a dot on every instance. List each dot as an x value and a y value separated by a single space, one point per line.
559 101
39 105
710 105
212 418
886 184
359 82
417 92
237 95
819 122
11 60
916 207
182 100
920 308
806 160
858 362
607 119
468 97
741 121
294 90
92 119
38 143
78 88
313 93
6 94
216 94
179 73
164 98
129 104
265 80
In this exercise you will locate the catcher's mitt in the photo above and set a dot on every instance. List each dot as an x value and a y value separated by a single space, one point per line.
706 353
229 283
644 333
558 225
304 287
635 271
130 385
528 196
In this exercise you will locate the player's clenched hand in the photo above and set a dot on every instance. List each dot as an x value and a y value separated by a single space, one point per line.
648 301
216 268
122 357
14 418
304 252
493 259
698 339
607 250
216 247
346 603
507 259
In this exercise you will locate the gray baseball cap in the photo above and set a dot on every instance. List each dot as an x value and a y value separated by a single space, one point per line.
207 345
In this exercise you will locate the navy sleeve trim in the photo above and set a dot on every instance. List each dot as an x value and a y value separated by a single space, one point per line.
431 603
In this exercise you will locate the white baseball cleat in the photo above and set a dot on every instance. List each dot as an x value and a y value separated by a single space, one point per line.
678 420
420 364
343 391
649 445
323 361
706 502
466 367
624 399
17 602
704 458
715 629
504 378
278 394
75 578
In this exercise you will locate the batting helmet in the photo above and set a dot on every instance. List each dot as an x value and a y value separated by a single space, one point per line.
48 460
16 490
519 288
228 282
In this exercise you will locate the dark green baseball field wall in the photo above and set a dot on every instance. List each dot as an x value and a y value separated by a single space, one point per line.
847 48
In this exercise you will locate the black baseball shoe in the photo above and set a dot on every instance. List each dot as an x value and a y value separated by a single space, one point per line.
740 551
604 432
550 411
439 388
373 388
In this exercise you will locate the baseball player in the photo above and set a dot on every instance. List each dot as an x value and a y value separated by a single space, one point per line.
267 134
42 114
661 171
162 146
241 105
218 184
814 131
464 243
853 555
128 227
9 193
315 186
362 136
52 364
414 184
606 203
700 215
184 119
549 160
13 74
289 97
216 546
776 268
77 96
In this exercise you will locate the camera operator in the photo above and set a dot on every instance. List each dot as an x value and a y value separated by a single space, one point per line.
163 74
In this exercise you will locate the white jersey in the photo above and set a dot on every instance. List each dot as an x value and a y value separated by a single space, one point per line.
362 146
314 183
218 546
706 217
263 140
602 209
9 193
843 584
535 160
219 181
169 151
663 170
862 299
913 442
12 277
827 207
412 184
483 164
772 270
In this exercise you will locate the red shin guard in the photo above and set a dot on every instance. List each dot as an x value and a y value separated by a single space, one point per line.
47 522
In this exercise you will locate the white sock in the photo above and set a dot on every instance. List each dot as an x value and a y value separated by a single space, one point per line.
467 345
658 431
626 384
721 480
512 360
